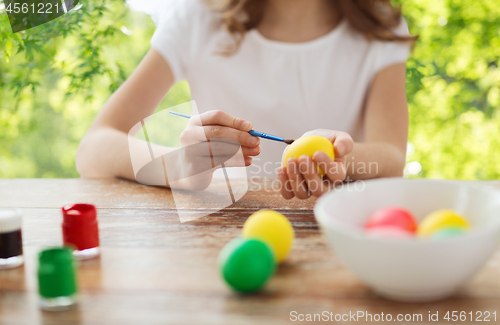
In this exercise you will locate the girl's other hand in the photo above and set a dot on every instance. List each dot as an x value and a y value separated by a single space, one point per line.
301 179
219 126
211 140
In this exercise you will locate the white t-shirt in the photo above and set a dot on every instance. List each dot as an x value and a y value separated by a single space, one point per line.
284 89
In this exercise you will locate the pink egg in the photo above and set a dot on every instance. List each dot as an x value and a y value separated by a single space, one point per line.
391 232
392 216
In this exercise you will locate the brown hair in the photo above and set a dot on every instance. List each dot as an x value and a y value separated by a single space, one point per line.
375 19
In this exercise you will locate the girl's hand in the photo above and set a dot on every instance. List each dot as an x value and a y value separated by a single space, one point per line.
301 179
210 140
218 126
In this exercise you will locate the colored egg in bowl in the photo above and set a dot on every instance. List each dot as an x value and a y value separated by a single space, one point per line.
411 269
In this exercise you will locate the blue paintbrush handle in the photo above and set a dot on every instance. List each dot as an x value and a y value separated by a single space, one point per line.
180 114
252 132
265 135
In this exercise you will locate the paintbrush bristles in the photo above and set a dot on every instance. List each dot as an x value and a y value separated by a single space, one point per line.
288 141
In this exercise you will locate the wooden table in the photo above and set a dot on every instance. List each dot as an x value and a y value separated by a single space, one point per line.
156 270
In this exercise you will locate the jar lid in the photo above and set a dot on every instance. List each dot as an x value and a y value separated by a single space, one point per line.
79 213
56 272
10 220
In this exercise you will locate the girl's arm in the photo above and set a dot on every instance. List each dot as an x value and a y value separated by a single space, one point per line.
383 153
386 127
104 150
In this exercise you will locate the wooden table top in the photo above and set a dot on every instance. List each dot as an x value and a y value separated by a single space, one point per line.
156 270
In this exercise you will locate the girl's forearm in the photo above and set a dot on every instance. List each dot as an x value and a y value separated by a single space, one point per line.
106 152
375 159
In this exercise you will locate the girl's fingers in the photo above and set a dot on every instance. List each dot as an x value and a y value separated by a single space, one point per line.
343 144
314 181
285 188
220 133
238 161
248 161
223 119
297 182
234 161
217 133
209 154
342 141
255 151
334 171
220 148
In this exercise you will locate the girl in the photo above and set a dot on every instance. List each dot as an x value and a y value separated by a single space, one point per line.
288 67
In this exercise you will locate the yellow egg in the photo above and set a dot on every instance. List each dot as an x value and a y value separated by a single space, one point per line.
273 228
440 219
308 145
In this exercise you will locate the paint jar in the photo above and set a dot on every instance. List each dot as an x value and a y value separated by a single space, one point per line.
80 230
57 278
11 242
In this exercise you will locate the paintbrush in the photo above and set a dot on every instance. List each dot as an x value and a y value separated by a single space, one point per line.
251 132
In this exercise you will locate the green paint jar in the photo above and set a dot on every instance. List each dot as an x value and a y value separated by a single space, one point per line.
57 278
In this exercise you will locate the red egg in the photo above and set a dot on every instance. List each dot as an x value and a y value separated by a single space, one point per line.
390 232
392 216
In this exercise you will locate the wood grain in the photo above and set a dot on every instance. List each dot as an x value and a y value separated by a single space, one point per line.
118 194
156 270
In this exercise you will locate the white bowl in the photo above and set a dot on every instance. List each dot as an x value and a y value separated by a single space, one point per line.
411 269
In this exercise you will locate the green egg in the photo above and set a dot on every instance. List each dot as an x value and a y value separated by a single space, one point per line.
246 264
448 232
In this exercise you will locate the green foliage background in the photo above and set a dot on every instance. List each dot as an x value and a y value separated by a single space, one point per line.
55 78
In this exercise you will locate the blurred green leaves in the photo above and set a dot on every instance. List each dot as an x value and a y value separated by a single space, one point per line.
54 79
453 88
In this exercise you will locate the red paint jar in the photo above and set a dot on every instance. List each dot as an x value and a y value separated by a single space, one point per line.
80 230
